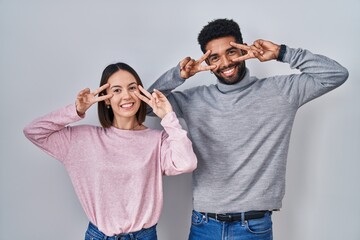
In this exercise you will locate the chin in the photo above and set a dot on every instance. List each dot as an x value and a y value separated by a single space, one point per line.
237 78
229 81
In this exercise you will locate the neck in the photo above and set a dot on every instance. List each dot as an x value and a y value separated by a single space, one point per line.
227 88
126 124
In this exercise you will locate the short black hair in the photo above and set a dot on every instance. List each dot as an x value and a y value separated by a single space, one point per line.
219 28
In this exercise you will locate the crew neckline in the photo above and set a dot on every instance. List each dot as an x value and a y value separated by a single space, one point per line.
114 129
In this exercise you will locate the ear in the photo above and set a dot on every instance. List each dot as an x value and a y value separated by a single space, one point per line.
107 102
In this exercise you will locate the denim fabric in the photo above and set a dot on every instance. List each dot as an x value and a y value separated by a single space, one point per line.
93 233
205 228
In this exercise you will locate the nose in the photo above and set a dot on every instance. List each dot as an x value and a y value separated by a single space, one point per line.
225 61
126 94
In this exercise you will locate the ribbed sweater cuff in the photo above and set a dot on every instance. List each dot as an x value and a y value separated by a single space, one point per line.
281 53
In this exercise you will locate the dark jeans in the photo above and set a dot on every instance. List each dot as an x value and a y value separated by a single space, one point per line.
205 228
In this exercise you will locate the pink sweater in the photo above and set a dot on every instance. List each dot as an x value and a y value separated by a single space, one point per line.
116 174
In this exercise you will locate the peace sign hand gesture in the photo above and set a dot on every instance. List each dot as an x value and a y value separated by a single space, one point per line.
189 67
157 101
261 49
85 98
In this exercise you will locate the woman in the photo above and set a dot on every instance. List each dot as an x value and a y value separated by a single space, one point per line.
117 169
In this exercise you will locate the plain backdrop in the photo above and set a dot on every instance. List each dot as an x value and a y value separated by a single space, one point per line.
50 50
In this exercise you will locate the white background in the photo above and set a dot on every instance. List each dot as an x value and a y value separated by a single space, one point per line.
50 50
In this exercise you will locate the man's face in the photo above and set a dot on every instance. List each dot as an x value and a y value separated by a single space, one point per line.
222 55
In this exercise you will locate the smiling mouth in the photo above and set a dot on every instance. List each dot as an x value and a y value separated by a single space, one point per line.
229 71
127 105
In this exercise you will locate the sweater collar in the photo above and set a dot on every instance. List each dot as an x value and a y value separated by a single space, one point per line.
228 88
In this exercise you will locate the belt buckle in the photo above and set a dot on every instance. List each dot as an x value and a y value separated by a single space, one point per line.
228 217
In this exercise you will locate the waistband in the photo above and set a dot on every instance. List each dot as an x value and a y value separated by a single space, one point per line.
95 233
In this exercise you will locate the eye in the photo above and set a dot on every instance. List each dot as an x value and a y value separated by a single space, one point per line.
116 90
232 52
133 88
213 59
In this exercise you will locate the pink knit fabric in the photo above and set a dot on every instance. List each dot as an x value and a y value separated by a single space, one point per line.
116 174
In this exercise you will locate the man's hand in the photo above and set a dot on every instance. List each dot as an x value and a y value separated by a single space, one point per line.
189 67
261 49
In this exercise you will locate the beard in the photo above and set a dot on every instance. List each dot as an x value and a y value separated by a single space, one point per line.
241 70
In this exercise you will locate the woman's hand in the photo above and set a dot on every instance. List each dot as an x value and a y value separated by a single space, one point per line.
157 101
85 98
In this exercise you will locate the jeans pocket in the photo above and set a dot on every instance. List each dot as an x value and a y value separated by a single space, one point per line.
260 226
197 218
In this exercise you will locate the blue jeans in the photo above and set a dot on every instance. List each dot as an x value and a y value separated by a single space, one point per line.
205 228
93 233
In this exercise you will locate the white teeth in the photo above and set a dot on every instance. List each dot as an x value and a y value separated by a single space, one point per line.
127 105
229 72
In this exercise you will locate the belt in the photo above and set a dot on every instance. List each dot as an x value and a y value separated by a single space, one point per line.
233 217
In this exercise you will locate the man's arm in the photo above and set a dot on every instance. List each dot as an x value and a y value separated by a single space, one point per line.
176 76
168 81
165 84
319 74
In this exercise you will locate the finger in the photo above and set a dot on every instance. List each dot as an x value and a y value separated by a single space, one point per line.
252 51
205 56
160 94
143 98
243 58
189 65
155 97
146 93
259 43
84 91
184 62
104 97
207 68
240 46
152 102
258 54
102 88
261 57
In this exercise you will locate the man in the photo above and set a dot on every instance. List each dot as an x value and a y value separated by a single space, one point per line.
240 127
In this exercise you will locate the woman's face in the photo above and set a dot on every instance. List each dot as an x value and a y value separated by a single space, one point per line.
124 103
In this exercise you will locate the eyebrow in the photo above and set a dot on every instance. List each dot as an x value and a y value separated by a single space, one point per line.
227 50
118 86
232 48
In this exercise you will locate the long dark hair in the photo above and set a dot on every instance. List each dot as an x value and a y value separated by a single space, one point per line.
106 115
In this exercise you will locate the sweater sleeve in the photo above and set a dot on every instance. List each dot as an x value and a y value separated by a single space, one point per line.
51 133
177 155
166 83
319 75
